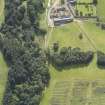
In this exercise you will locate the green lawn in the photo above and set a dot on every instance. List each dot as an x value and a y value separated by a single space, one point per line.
3 77
101 9
1 11
68 35
3 66
96 34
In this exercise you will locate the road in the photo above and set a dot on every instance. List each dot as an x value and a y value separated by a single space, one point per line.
48 10
48 37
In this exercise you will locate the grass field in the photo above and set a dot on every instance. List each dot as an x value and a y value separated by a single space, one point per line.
1 11
96 34
3 77
68 35
3 66
101 9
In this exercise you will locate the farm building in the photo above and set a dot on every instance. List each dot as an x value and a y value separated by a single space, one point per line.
61 21
61 15
71 1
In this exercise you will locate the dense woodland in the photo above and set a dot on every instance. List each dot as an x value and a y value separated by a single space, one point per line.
68 56
28 73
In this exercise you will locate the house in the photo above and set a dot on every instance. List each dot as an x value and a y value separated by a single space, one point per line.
60 21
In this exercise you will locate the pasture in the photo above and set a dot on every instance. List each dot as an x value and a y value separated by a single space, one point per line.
96 34
101 9
3 77
68 35
3 65
1 11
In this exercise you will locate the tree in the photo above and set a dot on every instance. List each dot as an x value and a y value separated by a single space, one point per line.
55 47
62 1
95 2
71 56
81 13
100 59
80 36
22 9
26 23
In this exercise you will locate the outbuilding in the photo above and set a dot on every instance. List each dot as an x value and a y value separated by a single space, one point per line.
71 1
60 21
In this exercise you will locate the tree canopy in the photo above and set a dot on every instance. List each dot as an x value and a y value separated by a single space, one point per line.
28 73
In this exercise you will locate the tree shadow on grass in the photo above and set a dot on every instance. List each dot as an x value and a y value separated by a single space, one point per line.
102 67
69 67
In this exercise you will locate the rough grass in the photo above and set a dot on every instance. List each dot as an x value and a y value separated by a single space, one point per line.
96 34
68 35
1 11
3 66
101 9
3 77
